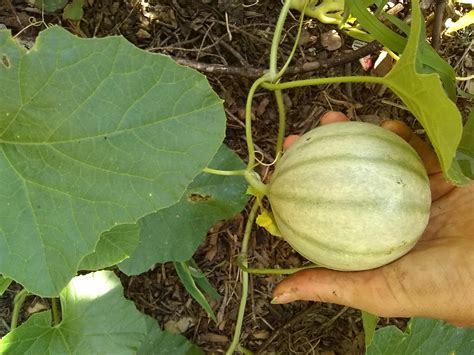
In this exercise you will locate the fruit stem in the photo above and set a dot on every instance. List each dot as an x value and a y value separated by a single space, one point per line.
254 181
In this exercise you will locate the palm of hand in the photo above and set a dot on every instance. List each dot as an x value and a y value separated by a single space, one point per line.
436 279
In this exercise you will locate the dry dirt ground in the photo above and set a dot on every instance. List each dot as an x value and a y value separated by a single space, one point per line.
237 35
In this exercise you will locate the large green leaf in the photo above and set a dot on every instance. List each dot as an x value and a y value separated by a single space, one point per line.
96 319
424 96
175 233
158 342
113 247
93 133
423 336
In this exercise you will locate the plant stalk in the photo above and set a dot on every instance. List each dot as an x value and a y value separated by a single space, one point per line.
323 81
245 280
55 309
281 121
264 271
17 304
277 38
248 120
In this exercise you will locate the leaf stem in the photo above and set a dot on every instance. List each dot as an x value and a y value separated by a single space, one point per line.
323 81
281 121
224 172
245 280
55 308
17 304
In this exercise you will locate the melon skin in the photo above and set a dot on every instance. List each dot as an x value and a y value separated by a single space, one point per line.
350 196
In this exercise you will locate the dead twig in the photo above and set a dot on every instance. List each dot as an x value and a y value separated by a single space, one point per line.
437 24
253 73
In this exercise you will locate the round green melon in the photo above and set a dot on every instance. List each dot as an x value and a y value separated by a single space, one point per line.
350 196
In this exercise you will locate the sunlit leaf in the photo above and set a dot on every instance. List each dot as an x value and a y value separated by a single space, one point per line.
94 133
96 319
463 22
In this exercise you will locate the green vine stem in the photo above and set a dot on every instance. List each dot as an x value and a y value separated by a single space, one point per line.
276 40
55 308
323 81
281 122
264 271
245 280
248 120
17 304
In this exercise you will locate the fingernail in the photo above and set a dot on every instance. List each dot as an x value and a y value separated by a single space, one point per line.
281 299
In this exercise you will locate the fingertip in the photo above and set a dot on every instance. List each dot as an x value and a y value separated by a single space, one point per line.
399 128
333 116
291 139
426 153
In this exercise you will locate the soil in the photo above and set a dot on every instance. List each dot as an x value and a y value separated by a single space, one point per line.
237 35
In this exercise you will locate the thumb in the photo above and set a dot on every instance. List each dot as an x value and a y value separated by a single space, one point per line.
367 290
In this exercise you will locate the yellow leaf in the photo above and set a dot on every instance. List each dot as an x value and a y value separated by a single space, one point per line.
267 221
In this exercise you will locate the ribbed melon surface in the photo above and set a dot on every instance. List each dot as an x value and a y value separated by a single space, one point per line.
350 196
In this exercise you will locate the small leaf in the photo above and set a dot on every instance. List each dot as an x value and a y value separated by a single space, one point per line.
96 319
74 11
182 268
423 336
4 284
369 321
175 233
202 282
114 246
50 5
463 22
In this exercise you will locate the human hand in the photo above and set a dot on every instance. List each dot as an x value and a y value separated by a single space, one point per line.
435 279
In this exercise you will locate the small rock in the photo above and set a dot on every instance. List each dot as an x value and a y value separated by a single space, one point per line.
179 326
331 40
141 33
214 338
